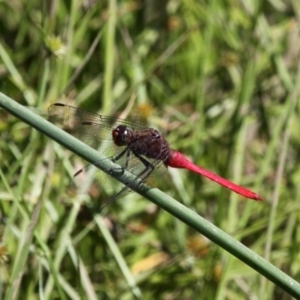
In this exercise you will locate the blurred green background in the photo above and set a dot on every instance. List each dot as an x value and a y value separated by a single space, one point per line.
220 79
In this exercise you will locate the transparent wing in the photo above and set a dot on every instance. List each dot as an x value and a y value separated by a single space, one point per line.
91 128
75 118
90 177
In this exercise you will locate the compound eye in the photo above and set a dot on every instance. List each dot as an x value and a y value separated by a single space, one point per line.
155 133
121 135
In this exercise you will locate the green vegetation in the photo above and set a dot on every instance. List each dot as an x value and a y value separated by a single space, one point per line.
219 80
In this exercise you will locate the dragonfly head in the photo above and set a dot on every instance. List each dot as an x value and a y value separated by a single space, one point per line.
122 135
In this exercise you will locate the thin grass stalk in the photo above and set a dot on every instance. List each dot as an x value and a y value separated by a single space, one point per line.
109 56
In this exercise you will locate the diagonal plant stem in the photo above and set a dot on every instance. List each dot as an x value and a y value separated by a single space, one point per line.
159 198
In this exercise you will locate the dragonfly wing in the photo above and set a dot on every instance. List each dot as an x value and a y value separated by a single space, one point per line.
70 117
93 129
92 180
145 170
97 183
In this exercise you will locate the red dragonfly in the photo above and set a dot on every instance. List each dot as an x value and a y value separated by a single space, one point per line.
134 147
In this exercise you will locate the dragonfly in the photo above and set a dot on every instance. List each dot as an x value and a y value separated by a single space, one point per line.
141 150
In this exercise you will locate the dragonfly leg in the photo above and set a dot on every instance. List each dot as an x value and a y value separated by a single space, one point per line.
121 169
149 168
